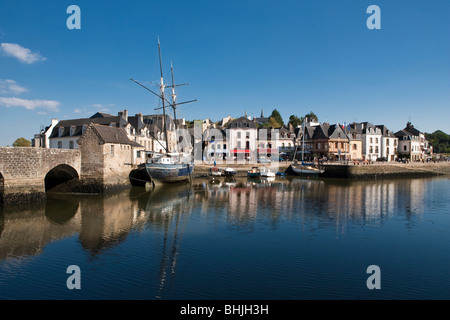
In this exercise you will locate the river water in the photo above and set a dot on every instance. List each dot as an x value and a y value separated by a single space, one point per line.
287 239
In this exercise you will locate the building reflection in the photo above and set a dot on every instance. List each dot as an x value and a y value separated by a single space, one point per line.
102 222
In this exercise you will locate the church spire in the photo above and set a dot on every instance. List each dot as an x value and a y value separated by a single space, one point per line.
262 114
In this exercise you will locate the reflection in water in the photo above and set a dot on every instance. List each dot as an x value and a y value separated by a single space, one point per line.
102 223
105 221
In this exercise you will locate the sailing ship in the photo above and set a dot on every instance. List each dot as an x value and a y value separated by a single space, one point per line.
169 166
305 168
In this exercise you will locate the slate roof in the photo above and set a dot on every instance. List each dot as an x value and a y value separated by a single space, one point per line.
242 123
385 132
114 135
78 124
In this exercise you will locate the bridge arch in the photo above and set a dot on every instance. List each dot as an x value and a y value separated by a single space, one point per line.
59 175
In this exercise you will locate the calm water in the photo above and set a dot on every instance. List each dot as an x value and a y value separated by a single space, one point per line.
287 239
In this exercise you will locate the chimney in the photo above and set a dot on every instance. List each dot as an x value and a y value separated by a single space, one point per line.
54 122
124 114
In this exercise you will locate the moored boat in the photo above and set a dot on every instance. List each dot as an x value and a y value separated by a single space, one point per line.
215 172
169 166
305 169
265 172
229 172
254 173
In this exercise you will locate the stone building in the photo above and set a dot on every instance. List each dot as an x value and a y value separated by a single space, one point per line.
108 155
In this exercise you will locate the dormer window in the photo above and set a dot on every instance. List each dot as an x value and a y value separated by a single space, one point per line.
83 129
60 131
72 130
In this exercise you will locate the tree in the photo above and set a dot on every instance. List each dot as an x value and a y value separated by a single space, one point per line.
22 142
294 120
277 117
439 140
312 117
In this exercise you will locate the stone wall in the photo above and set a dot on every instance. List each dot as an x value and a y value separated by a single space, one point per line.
24 170
393 170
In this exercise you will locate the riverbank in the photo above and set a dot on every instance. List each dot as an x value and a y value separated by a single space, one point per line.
336 170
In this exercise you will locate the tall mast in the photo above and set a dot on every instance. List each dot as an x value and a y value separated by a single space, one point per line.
303 137
174 97
161 87
174 102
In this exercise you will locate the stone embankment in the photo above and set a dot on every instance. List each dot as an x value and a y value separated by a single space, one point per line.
377 170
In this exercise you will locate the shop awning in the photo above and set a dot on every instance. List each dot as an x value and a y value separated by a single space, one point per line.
240 151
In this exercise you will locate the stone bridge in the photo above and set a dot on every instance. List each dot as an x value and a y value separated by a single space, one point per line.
27 173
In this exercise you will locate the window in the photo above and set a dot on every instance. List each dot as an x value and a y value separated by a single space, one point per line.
370 149
112 150
83 129
376 149
59 144
60 131
387 141
376 140
138 154
72 130
355 147
239 144
404 148
239 134
370 140
70 144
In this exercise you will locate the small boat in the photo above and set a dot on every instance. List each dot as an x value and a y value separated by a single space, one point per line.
267 173
215 172
281 174
306 169
254 172
229 172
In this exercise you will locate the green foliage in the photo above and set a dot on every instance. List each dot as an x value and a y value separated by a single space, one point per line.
277 117
439 140
22 142
273 123
311 117
294 120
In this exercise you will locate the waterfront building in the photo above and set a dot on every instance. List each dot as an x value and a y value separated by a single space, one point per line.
371 140
242 138
144 130
215 144
325 141
354 144
411 143
389 144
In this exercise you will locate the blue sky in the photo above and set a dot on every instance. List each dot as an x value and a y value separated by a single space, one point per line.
295 56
